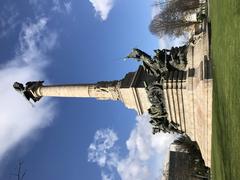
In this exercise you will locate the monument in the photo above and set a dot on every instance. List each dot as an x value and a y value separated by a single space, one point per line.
174 87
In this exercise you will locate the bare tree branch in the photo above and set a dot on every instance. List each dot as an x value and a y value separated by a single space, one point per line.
173 19
20 173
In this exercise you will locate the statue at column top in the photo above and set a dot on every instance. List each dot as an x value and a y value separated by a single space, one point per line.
28 90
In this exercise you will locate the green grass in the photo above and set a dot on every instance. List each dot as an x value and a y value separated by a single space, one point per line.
225 20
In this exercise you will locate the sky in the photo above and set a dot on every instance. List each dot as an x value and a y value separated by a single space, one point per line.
75 41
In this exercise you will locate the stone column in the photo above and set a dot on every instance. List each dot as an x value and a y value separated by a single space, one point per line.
102 90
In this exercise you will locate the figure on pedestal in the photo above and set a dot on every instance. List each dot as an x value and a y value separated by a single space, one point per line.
164 60
27 91
159 66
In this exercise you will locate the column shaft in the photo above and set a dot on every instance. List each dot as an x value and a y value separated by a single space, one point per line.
65 91
101 90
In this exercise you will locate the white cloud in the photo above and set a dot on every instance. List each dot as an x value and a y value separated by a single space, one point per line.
100 150
166 42
107 176
146 153
19 120
102 7
8 20
155 11
68 6
56 6
62 7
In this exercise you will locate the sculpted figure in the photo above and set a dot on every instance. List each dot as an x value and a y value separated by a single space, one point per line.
18 87
178 58
151 65
195 39
163 60
173 127
27 91
157 112
156 95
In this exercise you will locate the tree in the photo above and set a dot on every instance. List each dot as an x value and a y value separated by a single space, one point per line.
181 5
173 19
20 173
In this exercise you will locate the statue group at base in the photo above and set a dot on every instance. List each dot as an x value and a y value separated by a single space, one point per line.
164 60
159 66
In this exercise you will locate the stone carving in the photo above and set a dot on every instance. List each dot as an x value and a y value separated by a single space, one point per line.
106 90
195 39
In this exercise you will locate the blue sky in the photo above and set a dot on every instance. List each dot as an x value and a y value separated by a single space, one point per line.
73 41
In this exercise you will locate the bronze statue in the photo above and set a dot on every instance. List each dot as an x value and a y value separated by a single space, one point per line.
151 65
27 91
163 61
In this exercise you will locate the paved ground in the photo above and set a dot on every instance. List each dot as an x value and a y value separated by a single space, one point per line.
199 97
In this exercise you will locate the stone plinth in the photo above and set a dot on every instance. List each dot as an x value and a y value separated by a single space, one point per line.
188 96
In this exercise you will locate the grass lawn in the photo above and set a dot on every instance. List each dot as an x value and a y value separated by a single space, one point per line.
225 20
